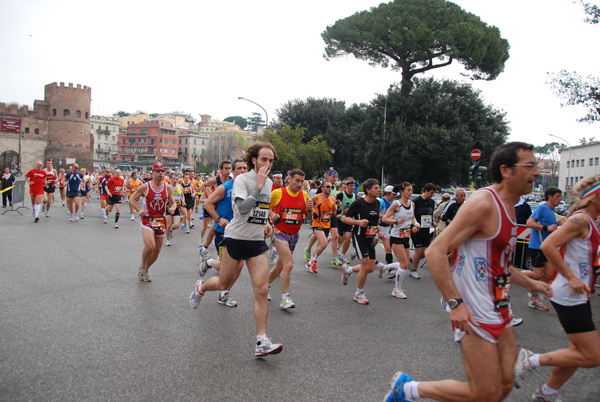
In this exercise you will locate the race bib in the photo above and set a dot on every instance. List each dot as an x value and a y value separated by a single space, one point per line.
371 231
404 233
326 217
117 190
157 223
292 216
259 214
426 221
502 286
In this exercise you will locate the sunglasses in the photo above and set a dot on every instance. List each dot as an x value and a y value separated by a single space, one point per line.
327 186
159 170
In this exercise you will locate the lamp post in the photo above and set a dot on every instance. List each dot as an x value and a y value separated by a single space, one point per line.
266 114
383 142
568 163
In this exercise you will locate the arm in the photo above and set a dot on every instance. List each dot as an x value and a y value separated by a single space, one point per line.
389 215
135 198
309 205
533 223
245 205
171 199
209 183
348 220
209 206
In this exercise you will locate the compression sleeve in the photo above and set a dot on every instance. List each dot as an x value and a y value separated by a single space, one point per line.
245 205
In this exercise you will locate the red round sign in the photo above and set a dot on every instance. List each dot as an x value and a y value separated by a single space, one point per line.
475 154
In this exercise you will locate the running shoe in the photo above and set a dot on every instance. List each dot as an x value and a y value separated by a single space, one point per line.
196 294
143 275
343 259
336 261
379 267
399 293
265 347
414 274
71 219
203 267
187 231
522 366
396 394
192 225
517 321
46 214
167 242
534 303
36 219
132 218
287 303
76 219
360 298
114 226
539 397
228 301
306 254
81 216
353 255
311 266
202 250
345 275
392 274
183 227
104 220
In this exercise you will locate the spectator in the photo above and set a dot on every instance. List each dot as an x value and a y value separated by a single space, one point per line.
8 180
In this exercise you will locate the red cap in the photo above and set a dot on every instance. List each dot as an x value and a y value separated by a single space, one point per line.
158 166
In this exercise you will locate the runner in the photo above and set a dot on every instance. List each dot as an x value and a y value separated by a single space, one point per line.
199 183
344 199
222 214
49 187
424 207
132 184
173 219
482 238
244 240
289 205
362 216
73 179
573 280
103 194
62 186
152 219
401 214
188 201
208 187
384 228
114 190
86 188
324 209
35 179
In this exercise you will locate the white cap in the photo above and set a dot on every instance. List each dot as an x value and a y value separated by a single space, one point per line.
388 189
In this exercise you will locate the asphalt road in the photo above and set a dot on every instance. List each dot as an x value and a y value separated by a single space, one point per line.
76 325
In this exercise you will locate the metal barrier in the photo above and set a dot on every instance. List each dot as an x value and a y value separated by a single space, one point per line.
18 195
521 255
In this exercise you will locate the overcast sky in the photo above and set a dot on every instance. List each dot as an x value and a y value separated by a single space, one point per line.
198 56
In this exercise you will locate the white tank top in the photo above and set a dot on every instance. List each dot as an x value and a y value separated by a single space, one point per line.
407 214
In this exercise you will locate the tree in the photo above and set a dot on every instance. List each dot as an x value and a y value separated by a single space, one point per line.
551 153
255 121
415 36
591 11
239 120
575 90
121 113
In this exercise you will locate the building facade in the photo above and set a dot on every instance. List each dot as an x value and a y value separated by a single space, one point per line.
105 131
578 162
148 141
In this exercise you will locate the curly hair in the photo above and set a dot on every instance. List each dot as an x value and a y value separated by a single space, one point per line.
253 150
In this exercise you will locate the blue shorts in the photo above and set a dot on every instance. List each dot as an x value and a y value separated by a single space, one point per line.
73 194
243 249
291 239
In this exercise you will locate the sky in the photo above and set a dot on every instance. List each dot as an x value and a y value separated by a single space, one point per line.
198 57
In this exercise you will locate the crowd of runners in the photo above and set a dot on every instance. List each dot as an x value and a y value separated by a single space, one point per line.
254 216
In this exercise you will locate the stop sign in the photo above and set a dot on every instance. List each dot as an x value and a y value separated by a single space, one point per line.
475 154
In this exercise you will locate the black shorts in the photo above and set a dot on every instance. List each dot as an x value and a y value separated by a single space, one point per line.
189 203
73 194
244 249
50 189
365 247
114 199
575 319
538 259
324 230
175 213
421 238
334 221
343 228
405 241
219 243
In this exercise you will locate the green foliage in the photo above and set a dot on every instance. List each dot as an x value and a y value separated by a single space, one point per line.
415 36
255 121
121 113
312 156
239 120
575 90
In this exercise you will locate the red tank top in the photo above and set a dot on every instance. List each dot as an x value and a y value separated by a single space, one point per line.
291 211
156 201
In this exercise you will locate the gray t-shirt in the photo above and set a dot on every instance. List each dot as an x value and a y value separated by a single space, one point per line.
250 226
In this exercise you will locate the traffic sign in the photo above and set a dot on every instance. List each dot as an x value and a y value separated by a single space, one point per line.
475 154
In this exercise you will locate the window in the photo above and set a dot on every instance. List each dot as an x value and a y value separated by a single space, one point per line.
582 162
591 161
37 131
78 114
568 164
87 115
143 131
53 112
113 137
596 160
133 131
152 141
26 130
577 162
142 140
174 142
66 113
194 141
180 140
202 142
91 126
113 129
157 131
131 141
186 141
123 141
172 151
572 163
160 140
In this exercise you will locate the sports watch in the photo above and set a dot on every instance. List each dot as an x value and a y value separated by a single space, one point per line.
454 303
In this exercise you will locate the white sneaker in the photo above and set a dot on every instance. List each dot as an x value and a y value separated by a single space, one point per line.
414 274
196 295
76 219
379 267
104 220
287 303
399 293
204 267
345 274
265 347
132 218
115 226
167 242
71 219
522 366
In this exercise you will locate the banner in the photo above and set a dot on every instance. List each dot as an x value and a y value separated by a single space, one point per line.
12 125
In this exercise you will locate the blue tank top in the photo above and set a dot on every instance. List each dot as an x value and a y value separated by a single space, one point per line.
224 207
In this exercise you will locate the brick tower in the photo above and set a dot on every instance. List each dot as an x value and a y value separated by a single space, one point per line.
68 110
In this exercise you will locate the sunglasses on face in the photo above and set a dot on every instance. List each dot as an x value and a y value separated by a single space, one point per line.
160 170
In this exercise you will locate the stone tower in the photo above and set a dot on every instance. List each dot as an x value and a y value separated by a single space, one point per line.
68 111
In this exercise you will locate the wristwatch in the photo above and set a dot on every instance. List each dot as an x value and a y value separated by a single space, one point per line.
454 303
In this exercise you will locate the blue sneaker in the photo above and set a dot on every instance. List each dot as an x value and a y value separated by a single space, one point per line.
397 392
183 227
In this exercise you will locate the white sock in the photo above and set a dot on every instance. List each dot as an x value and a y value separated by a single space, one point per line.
349 270
208 262
393 265
546 390
534 360
260 337
284 296
411 390
36 209
103 210
359 290
224 292
399 277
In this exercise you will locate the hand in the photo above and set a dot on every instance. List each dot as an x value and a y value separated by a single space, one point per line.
460 317
171 210
552 228
309 205
363 223
142 213
222 222
543 288
577 286
268 230
262 176
416 228
273 216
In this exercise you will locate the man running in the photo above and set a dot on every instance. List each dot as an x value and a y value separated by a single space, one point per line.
103 194
289 206
244 240
73 179
482 238
208 188
114 189
219 207
49 186
345 198
86 188
363 217
173 219
324 210
132 184
152 219
424 207
35 179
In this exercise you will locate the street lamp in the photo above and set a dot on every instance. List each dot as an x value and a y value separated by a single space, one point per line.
266 114
570 160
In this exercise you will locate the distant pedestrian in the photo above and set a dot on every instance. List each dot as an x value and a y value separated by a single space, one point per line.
8 180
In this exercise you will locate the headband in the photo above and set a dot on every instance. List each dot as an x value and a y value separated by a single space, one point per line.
278 175
591 191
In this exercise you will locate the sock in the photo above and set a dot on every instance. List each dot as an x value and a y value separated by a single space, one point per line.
284 296
313 258
349 270
534 360
393 265
224 293
103 210
411 390
117 217
399 278
359 290
546 390
208 262
260 337
389 258
36 209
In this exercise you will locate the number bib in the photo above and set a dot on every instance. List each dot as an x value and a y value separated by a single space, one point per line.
292 216
371 231
259 214
502 286
326 217
426 221
157 223
404 233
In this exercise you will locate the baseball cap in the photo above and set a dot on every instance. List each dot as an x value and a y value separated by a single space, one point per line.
389 189
158 166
